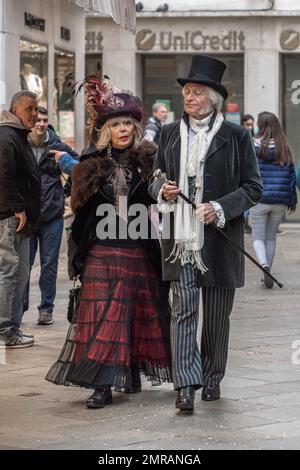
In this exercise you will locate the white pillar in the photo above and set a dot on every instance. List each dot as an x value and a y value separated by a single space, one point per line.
261 81
119 57
9 60
51 66
2 57
79 75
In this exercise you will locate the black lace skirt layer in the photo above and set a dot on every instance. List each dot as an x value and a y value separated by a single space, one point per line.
121 326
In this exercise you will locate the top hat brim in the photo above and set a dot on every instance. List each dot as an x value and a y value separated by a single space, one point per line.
210 83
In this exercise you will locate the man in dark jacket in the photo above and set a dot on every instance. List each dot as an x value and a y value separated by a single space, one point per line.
19 212
47 148
155 122
213 163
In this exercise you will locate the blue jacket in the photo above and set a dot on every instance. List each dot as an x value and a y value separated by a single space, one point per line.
66 163
52 192
298 176
279 182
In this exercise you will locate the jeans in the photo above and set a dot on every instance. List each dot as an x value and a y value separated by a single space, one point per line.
48 236
14 274
265 222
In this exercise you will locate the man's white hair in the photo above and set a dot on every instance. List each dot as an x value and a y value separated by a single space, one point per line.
215 98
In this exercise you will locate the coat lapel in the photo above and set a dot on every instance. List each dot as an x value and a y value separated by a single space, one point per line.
218 141
175 160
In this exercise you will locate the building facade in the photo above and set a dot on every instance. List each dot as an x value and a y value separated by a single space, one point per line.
42 49
259 41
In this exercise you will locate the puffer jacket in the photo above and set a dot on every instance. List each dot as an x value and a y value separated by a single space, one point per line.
279 181
298 176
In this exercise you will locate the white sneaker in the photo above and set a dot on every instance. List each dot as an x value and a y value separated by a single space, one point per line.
27 335
45 318
18 340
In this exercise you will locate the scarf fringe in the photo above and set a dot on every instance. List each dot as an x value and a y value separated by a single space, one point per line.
187 256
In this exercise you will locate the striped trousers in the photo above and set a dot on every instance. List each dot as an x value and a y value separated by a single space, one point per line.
189 366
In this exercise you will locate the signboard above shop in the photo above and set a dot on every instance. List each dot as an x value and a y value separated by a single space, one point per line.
233 41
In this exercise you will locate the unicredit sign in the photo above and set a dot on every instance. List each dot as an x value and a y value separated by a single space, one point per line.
146 40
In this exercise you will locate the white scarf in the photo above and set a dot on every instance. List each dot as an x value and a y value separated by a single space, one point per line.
189 231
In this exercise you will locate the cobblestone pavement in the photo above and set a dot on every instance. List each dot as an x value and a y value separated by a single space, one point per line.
260 404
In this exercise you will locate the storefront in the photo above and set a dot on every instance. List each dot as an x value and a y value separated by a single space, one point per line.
149 62
42 50
261 50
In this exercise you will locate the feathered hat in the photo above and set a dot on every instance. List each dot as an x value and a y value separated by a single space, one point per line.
105 101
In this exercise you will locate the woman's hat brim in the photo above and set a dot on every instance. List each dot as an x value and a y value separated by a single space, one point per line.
211 84
137 115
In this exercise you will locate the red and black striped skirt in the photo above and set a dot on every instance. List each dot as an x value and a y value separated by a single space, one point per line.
121 326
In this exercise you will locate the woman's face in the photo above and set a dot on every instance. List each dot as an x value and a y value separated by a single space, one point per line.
122 132
249 125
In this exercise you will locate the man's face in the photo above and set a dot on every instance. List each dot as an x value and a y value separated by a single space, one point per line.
26 110
161 113
41 126
196 101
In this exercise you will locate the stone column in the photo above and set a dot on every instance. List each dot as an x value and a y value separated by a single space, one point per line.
262 81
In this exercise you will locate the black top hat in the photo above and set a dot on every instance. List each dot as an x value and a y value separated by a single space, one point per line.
208 71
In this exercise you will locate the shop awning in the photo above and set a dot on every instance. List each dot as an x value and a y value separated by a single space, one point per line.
121 11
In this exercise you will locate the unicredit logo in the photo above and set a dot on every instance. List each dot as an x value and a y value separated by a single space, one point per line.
289 40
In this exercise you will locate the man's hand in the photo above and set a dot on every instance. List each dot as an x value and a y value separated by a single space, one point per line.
22 218
206 213
57 154
170 191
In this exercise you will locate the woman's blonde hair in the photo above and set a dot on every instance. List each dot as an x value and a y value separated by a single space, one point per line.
105 135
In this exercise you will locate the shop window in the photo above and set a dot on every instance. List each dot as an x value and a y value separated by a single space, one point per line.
93 64
63 108
34 69
160 73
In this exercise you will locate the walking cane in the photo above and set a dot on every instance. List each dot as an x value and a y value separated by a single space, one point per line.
158 174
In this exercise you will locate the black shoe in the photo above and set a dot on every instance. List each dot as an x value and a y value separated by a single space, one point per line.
211 393
134 389
100 398
136 385
185 398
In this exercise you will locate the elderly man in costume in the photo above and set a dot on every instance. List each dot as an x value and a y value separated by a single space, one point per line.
212 162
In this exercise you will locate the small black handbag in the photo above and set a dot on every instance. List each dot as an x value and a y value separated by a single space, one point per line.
74 295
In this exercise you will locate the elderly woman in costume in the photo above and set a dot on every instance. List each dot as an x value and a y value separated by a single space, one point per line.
120 327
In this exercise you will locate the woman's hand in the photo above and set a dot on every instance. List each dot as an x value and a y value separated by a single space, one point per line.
291 210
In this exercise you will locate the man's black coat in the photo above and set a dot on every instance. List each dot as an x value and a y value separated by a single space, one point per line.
19 176
231 178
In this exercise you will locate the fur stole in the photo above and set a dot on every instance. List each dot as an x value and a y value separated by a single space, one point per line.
89 175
